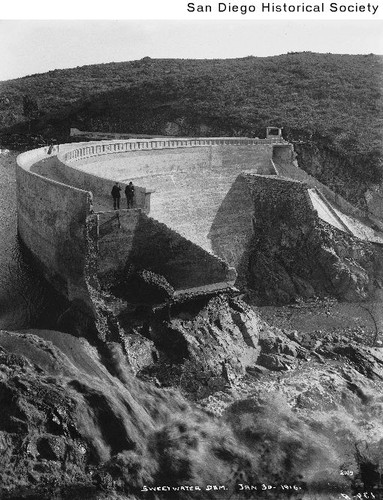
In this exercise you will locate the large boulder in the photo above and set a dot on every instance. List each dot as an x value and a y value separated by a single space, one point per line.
217 344
298 260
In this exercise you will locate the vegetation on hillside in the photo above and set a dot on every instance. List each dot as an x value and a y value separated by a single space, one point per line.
331 99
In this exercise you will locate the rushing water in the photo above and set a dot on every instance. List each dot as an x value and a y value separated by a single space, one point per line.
22 291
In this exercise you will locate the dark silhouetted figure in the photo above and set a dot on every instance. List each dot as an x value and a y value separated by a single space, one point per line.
129 193
116 194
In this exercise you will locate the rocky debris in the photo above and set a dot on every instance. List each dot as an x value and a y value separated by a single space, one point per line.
277 347
272 340
305 259
276 362
335 400
332 385
143 286
279 350
293 409
366 360
140 351
212 348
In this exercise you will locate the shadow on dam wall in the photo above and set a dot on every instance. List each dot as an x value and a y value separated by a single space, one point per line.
232 229
132 239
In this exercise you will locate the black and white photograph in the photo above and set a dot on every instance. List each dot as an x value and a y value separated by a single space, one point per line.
191 256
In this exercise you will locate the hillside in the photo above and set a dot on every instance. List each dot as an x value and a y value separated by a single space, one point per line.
328 104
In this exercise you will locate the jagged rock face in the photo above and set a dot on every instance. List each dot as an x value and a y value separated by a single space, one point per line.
290 260
329 392
140 352
333 171
374 199
210 350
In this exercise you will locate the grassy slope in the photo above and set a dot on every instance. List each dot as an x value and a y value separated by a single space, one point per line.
315 97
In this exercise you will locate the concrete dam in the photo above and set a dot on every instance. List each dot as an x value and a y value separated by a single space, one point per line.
193 214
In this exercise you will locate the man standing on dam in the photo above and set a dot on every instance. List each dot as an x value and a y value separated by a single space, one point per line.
116 194
129 193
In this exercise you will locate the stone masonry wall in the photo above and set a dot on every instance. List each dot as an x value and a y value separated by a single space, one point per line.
295 254
279 200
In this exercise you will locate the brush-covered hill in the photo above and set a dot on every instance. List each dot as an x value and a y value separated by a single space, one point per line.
330 105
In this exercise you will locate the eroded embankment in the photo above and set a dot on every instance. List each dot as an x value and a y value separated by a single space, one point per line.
71 428
293 253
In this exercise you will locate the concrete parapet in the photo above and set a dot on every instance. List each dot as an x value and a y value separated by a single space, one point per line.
112 147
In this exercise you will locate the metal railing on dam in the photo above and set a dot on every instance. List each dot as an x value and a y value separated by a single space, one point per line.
112 147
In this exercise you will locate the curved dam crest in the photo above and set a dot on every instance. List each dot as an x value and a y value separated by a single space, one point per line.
196 201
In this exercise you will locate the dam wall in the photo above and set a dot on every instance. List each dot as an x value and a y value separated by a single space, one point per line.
209 198
51 223
189 179
232 227
57 221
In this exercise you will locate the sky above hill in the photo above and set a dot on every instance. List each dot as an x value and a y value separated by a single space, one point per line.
31 46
